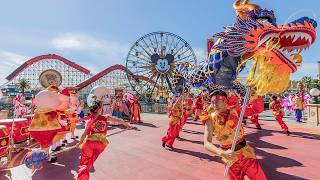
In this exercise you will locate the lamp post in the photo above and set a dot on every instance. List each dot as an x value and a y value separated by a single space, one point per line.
314 92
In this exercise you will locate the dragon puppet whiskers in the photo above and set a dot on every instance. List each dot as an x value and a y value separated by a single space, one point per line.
255 35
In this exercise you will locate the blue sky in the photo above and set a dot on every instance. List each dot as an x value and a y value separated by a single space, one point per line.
97 34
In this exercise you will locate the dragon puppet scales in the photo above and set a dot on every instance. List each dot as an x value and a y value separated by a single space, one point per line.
275 54
274 50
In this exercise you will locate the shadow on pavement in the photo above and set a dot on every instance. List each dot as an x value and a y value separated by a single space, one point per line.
194 122
191 131
64 168
147 125
199 155
271 162
191 141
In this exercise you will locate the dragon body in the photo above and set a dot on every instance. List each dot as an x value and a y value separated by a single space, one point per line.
273 49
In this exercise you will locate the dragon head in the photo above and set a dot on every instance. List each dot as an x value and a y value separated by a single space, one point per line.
275 49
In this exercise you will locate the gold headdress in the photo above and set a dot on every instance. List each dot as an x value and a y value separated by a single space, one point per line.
242 8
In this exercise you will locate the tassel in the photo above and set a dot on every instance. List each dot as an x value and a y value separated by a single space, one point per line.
266 77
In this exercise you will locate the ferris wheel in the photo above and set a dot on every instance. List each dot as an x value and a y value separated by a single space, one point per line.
154 57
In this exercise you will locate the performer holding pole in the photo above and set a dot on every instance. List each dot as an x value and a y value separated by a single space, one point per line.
94 139
225 124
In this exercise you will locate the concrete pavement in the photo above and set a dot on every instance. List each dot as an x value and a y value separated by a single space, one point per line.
138 155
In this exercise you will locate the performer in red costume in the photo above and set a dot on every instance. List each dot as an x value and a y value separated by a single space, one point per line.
94 140
135 111
276 108
64 120
233 100
187 104
221 122
256 106
173 99
198 107
45 124
174 123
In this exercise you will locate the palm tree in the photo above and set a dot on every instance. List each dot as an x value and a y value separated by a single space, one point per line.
23 84
307 80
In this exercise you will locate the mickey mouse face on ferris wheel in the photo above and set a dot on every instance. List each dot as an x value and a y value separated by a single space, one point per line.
162 65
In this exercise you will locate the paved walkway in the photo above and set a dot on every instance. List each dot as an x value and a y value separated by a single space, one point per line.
138 155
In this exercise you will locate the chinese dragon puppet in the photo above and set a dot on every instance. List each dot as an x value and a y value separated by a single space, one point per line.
274 50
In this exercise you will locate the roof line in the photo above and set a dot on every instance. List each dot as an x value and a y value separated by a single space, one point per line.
107 71
31 61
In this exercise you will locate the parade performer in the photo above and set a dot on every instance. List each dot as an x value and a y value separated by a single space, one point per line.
306 101
125 109
290 104
185 113
20 109
116 107
64 120
256 106
81 106
254 37
94 140
74 110
135 111
221 122
107 104
174 123
170 105
233 100
187 110
198 107
298 108
285 105
45 124
276 108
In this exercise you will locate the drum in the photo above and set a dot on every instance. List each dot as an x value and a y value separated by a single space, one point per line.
4 141
20 128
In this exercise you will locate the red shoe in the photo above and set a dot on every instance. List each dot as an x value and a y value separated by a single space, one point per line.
170 148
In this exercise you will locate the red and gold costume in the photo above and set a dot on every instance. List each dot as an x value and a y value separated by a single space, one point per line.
135 109
73 118
64 123
63 114
186 111
198 107
45 124
44 127
174 125
233 101
276 108
256 106
96 141
244 161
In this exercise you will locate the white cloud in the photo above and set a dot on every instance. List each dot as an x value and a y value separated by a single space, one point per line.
68 42
110 51
200 53
9 61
